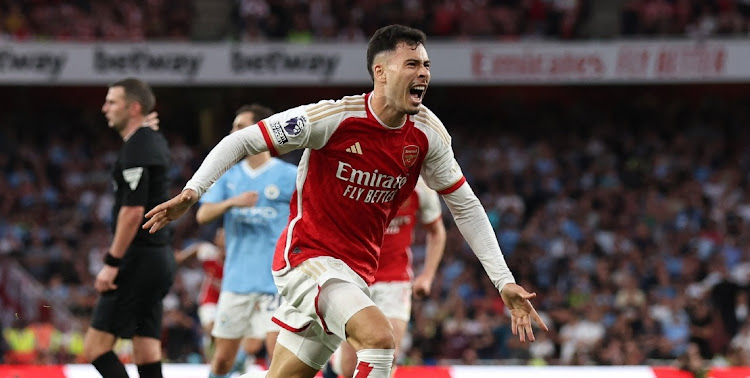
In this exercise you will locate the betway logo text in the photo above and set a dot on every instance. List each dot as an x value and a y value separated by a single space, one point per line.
46 63
145 61
370 187
280 62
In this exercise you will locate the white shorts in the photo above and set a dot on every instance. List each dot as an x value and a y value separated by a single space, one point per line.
207 314
393 298
245 315
315 332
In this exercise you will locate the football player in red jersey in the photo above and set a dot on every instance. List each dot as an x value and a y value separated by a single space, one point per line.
211 257
363 156
392 289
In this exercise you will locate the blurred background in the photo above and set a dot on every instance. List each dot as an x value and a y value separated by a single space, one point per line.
608 140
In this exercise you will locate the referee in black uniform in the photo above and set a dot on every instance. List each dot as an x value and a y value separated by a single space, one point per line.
139 267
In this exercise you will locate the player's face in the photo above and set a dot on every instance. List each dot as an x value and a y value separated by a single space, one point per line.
407 76
242 121
115 108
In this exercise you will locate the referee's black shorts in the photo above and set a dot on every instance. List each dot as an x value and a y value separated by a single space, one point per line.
135 307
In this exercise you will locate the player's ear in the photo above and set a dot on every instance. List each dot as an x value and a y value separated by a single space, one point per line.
378 71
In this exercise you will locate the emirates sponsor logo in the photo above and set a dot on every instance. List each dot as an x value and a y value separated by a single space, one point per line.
369 186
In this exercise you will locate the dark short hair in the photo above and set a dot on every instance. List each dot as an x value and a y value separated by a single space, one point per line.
260 112
138 91
388 37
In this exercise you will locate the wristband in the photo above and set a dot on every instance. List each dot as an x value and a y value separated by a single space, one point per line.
112 261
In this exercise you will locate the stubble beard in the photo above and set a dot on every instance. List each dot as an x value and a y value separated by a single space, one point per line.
412 112
118 126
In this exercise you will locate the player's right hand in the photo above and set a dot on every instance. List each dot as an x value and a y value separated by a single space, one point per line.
245 199
162 214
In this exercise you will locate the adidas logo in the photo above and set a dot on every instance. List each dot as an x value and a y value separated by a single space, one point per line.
355 149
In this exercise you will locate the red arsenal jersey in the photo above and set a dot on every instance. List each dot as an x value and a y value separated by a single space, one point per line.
353 176
423 206
209 256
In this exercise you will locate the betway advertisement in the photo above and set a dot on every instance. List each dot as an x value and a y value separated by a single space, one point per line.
201 371
264 64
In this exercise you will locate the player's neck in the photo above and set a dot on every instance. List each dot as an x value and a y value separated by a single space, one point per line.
256 161
388 115
133 125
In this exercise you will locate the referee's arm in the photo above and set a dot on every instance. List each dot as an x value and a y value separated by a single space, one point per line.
129 220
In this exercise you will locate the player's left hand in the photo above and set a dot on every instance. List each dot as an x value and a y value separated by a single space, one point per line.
517 299
105 280
422 286
152 121
162 214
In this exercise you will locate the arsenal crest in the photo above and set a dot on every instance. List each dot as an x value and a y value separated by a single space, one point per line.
410 155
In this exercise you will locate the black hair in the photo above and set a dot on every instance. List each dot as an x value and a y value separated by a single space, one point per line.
388 37
138 91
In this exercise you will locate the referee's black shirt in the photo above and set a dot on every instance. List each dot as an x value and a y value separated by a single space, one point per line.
140 179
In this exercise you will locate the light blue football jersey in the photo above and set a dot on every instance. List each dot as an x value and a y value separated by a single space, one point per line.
252 232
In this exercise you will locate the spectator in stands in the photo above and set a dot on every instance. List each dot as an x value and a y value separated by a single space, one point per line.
22 345
260 20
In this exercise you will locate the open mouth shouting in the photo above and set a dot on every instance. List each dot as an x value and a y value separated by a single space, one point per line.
417 92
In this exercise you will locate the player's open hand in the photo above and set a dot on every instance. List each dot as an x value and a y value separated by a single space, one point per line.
521 311
168 211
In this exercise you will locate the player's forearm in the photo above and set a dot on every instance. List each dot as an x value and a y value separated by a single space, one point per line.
209 212
435 245
128 222
228 152
186 253
474 225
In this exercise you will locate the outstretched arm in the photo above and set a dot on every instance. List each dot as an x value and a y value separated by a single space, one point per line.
223 156
182 256
162 214
474 225
235 146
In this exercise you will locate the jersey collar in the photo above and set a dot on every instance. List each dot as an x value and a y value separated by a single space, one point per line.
254 173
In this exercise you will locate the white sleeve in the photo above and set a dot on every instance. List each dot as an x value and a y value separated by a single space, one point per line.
302 127
440 170
474 225
442 173
279 134
224 155
207 251
429 203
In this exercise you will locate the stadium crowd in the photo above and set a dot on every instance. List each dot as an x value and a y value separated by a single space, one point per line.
352 20
629 217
